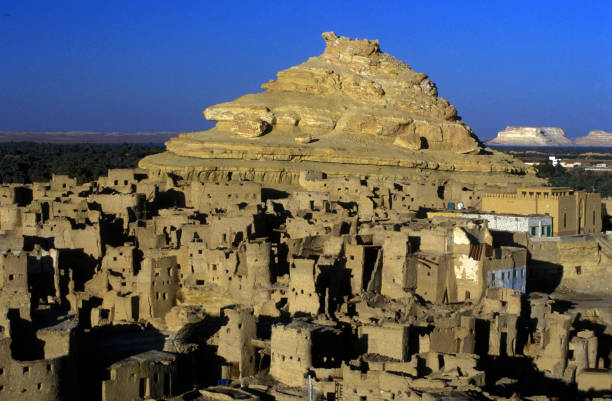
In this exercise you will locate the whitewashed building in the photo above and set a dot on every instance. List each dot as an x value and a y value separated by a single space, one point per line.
514 278
537 225
509 270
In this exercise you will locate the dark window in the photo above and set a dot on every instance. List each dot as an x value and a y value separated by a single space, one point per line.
141 388
167 384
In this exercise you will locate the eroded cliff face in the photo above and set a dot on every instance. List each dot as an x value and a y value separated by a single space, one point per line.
531 136
352 111
596 138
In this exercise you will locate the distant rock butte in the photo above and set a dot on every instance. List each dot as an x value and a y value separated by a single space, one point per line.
596 138
531 136
353 110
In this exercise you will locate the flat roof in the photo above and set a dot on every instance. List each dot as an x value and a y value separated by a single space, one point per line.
547 188
148 356
507 214
459 213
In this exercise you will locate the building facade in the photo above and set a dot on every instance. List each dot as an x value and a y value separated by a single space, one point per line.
572 212
536 225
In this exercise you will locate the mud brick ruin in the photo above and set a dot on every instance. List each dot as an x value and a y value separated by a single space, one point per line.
302 275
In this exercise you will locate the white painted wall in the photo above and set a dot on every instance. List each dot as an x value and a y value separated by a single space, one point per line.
513 223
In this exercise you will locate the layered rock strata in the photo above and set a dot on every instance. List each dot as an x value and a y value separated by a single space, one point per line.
596 138
354 110
531 136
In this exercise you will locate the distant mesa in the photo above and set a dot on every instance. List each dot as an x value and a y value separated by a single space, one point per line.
548 136
531 136
353 110
595 138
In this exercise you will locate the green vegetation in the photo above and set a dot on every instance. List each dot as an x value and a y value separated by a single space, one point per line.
577 178
26 162
523 152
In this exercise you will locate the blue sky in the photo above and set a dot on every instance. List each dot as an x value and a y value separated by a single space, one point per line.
155 65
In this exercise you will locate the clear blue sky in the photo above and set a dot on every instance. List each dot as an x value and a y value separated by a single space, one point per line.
155 65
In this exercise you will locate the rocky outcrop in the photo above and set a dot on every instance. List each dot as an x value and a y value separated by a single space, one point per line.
531 136
354 88
596 138
353 110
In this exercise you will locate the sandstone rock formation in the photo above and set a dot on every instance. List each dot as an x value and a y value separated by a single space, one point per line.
351 88
353 110
595 138
531 136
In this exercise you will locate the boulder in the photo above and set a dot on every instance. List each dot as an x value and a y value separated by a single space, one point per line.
249 127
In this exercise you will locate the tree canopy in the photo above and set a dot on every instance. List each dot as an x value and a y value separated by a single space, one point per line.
576 178
26 162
